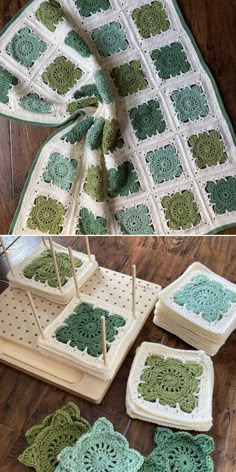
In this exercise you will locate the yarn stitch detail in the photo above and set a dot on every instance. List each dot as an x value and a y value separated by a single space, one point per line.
164 164
135 220
61 171
190 103
26 47
33 103
181 210
47 215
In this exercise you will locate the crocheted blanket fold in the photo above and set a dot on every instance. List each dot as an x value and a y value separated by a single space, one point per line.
144 145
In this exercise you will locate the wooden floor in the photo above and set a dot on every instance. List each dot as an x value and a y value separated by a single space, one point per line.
24 401
213 25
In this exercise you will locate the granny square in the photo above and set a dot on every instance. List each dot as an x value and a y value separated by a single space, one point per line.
61 75
60 171
135 220
147 120
190 103
181 210
151 19
164 164
90 7
123 180
26 47
222 195
170 61
129 78
208 149
110 39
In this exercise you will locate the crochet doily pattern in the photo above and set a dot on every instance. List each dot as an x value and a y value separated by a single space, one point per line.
144 145
57 431
102 449
179 452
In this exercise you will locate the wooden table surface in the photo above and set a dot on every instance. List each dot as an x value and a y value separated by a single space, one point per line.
213 25
25 401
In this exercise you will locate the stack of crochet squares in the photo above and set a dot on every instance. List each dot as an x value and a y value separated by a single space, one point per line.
171 387
199 307
37 273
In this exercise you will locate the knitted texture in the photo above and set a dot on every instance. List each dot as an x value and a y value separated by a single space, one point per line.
57 431
82 329
179 452
100 450
42 269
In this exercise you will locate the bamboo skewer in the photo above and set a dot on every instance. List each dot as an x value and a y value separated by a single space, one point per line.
55 264
74 271
6 256
88 248
104 344
134 291
44 241
35 313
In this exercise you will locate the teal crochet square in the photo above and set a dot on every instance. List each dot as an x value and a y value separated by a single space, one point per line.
151 19
147 119
35 104
164 164
222 195
170 61
181 210
110 39
123 180
205 297
60 170
26 47
129 78
90 224
74 40
190 103
7 81
90 7
135 220
208 149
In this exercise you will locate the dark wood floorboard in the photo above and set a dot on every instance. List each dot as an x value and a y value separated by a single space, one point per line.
213 25
24 401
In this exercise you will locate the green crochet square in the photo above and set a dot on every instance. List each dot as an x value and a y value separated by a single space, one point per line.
222 195
7 81
47 215
151 19
170 61
110 39
74 40
181 210
35 104
90 7
90 224
208 149
60 170
26 47
123 180
129 78
50 14
190 103
135 220
147 120
61 75
164 164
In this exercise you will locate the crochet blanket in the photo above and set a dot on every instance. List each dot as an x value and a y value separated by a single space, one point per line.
143 145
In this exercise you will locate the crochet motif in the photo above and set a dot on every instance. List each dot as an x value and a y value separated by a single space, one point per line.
7 81
74 40
82 103
208 149
222 194
110 135
50 14
95 133
205 297
100 450
135 220
33 103
82 329
164 164
147 119
151 20
47 215
104 86
123 180
190 103
94 183
42 268
179 452
26 47
110 39
90 7
129 78
170 61
60 171
181 210
171 382
76 134
57 431
89 90
61 75
90 224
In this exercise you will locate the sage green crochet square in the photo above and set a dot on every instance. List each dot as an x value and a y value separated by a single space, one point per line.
151 19
170 61
164 164
61 75
26 47
90 7
147 120
135 220
208 149
123 180
110 39
47 215
90 224
60 171
129 78
181 210
50 14
222 195
7 81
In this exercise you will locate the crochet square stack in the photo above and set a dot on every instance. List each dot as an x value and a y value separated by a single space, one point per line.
199 307
37 273
171 387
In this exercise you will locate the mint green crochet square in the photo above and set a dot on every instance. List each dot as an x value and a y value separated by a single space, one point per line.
170 61
147 120
129 78
90 7
135 220
206 297
123 180
90 224
26 47
7 81
60 171
208 149
151 19
164 164
110 39
222 195
181 210
190 103
61 75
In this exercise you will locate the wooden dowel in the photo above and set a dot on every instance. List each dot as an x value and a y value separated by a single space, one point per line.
35 313
73 270
104 342
44 241
55 264
7 257
134 291
88 248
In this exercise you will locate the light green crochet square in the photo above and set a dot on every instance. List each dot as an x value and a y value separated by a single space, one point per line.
208 149
50 14
46 215
61 75
151 19
129 78
181 210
